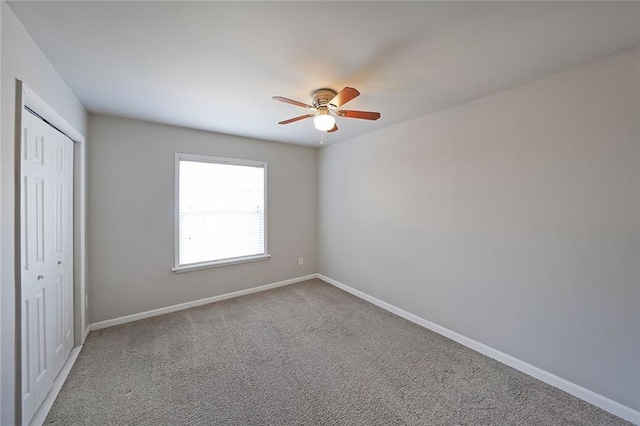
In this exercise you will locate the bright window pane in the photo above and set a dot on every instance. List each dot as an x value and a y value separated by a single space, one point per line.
221 211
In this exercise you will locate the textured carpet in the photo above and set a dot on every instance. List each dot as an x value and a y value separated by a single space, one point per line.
307 353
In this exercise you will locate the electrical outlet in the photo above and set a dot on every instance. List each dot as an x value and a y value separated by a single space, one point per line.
300 261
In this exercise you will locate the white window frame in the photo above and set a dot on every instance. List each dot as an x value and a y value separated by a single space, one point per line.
222 262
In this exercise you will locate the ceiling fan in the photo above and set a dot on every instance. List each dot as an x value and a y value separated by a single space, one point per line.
325 108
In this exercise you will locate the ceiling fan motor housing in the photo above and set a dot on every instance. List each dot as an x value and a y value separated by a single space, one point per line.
321 97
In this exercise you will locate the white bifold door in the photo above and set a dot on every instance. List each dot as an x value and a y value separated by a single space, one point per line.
47 258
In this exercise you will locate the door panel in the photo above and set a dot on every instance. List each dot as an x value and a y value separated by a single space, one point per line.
59 319
27 356
59 218
27 256
38 209
40 334
55 264
37 280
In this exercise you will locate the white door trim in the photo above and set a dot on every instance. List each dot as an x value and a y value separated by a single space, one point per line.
25 97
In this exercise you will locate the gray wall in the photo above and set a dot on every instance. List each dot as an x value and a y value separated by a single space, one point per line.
1 240
512 220
131 215
21 59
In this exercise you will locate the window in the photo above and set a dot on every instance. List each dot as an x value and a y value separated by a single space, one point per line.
220 211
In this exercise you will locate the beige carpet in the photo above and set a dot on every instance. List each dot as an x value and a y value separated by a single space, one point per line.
304 354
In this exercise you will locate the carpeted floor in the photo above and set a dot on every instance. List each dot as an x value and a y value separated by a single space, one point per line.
304 354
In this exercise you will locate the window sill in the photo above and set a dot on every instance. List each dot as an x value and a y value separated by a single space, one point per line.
218 263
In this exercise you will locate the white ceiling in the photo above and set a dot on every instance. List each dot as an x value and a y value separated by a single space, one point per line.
215 65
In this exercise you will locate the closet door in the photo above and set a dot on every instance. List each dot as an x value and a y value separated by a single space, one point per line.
38 284
61 178
46 237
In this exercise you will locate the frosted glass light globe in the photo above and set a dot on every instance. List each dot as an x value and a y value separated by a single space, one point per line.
324 122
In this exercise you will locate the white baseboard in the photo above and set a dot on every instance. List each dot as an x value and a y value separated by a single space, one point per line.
87 330
187 305
591 397
41 414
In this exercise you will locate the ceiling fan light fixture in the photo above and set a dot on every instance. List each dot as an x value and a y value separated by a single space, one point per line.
325 107
324 121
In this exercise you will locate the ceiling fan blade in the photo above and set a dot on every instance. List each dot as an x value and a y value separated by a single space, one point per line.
366 115
344 96
292 102
335 127
291 120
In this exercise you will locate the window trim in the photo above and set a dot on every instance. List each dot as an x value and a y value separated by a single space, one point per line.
177 267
